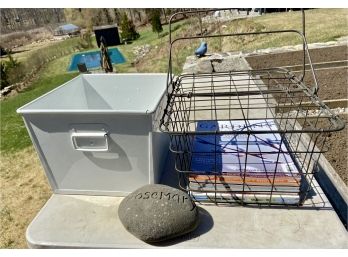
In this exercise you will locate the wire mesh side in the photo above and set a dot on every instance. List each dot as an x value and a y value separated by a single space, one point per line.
241 96
300 125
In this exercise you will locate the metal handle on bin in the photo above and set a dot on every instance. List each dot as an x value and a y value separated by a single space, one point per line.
90 141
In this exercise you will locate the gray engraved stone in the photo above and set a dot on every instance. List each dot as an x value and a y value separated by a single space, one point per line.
154 213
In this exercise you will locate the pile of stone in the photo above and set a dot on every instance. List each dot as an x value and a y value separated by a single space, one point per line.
228 15
217 62
140 52
311 113
19 86
5 91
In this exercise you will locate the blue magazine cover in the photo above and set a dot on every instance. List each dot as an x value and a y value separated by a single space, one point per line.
232 154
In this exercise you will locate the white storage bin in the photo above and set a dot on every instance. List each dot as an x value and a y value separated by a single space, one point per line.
98 133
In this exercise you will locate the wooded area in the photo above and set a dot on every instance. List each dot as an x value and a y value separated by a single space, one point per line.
15 19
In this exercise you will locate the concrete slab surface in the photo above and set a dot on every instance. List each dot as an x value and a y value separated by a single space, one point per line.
69 221
81 221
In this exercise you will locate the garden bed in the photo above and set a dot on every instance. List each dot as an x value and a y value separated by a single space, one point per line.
332 85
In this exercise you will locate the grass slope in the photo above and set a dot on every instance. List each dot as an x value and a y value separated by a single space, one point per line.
14 135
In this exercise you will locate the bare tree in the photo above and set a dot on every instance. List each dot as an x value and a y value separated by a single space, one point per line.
117 15
200 22
131 14
165 15
107 16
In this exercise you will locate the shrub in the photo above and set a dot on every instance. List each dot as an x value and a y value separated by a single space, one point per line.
10 71
156 21
3 76
16 72
163 34
176 27
12 63
85 41
128 31
2 51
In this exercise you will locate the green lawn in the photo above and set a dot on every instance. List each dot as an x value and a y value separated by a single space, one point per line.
335 25
14 135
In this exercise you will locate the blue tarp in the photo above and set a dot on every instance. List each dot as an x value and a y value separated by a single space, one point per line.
68 28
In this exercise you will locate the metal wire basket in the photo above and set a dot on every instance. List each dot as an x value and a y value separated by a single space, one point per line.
247 137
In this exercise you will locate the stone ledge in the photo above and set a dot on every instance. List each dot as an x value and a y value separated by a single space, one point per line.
216 62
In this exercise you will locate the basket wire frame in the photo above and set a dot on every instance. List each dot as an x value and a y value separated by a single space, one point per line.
301 125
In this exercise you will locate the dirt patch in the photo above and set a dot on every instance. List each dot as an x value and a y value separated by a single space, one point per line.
333 84
335 53
337 154
25 40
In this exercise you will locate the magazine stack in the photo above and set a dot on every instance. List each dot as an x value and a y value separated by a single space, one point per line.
242 166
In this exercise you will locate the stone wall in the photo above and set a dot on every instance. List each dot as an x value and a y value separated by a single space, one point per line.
217 62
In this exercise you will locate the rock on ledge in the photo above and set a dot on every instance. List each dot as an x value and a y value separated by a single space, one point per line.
154 213
218 62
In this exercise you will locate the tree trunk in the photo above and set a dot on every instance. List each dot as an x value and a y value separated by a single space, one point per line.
165 15
131 14
200 22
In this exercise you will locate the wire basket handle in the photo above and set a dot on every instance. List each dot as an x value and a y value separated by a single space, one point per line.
170 75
